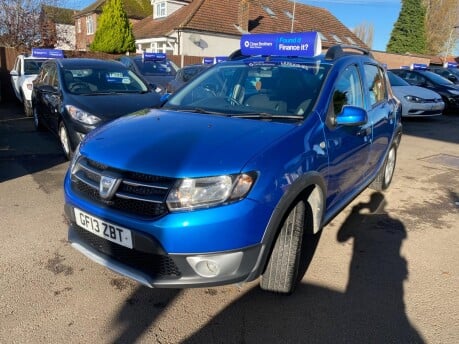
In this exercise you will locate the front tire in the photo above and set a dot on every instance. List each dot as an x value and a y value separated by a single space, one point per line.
281 272
384 177
65 141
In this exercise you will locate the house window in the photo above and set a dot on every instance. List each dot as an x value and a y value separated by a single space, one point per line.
89 25
79 25
337 39
160 9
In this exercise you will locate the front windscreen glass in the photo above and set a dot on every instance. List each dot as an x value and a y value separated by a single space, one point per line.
162 67
244 89
86 80
32 66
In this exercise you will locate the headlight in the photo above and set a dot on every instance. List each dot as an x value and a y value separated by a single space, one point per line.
81 116
414 99
192 193
73 163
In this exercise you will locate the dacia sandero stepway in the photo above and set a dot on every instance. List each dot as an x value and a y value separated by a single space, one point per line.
239 170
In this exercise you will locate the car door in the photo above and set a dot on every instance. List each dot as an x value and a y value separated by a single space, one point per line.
48 95
16 73
381 113
348 146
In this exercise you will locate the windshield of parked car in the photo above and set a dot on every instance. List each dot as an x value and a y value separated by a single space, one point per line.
253 90
102 80
164 67
437 79
32 66
396 80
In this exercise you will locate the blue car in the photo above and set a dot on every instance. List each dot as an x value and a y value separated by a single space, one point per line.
238 169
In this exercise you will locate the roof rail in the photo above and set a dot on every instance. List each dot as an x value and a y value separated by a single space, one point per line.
338 51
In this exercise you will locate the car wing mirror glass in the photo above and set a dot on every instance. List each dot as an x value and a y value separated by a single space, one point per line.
351 116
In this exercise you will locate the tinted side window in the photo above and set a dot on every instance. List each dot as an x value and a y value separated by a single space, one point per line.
376 82
347 90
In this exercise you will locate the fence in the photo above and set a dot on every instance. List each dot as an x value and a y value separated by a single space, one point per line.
8 57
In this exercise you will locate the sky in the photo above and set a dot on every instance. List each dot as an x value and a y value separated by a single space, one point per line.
381 13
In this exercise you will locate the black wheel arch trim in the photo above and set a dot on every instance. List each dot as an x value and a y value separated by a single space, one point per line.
309 180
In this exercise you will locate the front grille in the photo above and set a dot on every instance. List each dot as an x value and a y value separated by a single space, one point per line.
138 193
153 265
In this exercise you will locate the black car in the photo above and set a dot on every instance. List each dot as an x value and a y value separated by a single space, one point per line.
156 69
424 78
71 97
452 74
184 75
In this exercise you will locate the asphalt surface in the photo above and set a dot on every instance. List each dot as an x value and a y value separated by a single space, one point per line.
385 270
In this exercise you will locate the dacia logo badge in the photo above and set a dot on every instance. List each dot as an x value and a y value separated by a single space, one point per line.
108 186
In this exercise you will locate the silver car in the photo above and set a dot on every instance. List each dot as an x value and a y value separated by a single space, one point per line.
416 101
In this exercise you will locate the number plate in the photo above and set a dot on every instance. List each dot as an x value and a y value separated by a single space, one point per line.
104 229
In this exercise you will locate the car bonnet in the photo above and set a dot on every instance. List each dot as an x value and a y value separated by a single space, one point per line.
180 144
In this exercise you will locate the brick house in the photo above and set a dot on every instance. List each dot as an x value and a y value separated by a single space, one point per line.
214 27
86 19
57 27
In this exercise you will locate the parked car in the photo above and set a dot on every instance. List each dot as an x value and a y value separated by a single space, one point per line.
452 74
184 75
73 96
25 70
155 68
416 101
427 79
239 168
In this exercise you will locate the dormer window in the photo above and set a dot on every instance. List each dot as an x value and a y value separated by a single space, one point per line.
160 10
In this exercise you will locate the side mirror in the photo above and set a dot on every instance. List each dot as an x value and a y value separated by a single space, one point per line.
164 98
351 116
14 73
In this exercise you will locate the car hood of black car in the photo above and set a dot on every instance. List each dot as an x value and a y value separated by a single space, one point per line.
110 106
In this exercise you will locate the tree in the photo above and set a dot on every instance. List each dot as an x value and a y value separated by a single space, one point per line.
22 24
365 32
442 17
409 32
114 31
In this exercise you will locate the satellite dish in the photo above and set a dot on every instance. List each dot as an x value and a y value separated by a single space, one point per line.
195 38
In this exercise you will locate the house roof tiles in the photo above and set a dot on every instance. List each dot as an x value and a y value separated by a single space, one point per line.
221 16
135 9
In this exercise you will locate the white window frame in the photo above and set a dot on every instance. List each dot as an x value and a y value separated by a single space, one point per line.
89 25
161 9
79 25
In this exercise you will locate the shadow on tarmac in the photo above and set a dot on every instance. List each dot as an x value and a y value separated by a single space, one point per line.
23 150
371 310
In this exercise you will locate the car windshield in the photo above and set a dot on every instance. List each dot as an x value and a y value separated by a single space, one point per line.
437 79
395 80
253 90
32 66
94 81
165 67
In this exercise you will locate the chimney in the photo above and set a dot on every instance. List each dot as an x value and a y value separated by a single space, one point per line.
243 15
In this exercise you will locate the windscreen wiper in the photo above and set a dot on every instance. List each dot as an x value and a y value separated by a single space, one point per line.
265 115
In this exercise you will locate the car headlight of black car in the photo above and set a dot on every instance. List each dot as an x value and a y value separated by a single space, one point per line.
82 116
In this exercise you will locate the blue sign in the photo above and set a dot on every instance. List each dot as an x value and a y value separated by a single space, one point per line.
208 60
418 66
47 53
153 56
219 59
306 44
450 65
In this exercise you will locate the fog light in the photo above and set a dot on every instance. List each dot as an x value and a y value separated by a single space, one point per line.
207 268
